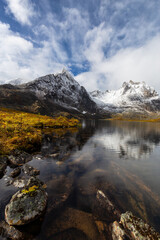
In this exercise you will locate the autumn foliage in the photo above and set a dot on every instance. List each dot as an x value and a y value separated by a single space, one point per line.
20 130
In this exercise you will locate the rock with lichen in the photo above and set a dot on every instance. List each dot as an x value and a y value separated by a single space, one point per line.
27 204
131 227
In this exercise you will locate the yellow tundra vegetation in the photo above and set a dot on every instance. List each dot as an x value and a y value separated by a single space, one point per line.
20 130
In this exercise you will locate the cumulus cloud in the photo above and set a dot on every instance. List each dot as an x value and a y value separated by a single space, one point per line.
21 59
22 10
138 64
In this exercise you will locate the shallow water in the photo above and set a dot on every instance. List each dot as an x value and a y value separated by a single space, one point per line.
122 159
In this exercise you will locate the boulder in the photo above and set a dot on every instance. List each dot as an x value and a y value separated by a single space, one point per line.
19 158
27 204
29 170
138 228
133 228
15 172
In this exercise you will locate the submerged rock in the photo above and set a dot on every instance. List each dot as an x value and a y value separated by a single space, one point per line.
10 232
131 227
3 165
104 208
15 172
118 232
27 204
31 171
18 158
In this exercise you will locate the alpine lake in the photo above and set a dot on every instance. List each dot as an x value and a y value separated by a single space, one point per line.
119 158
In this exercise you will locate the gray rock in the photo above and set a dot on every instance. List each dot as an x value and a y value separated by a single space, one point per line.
31 171
15 172
139 230
27 204
133 228
18 158
3 165
118 232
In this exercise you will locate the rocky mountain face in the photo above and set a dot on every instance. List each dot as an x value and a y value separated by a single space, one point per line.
60 92
47 95
132 96
63 90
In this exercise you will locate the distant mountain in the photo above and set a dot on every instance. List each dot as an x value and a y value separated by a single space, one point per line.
49 94
132 96
60 92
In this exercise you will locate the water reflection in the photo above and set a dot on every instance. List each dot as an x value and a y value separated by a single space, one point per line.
100 156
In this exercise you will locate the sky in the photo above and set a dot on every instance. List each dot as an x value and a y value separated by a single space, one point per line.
101 42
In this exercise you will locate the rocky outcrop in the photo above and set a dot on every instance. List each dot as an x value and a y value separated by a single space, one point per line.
27 204
133 228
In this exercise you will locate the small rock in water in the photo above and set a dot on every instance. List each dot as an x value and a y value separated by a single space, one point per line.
27 204
31 171
3 165
19 182
15 172
18 158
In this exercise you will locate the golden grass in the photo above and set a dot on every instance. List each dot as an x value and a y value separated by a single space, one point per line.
133 120
20 130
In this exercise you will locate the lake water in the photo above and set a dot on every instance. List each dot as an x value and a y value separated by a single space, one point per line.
122 159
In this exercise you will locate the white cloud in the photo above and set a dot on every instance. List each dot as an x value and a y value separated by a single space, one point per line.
139 64
21 59
23 10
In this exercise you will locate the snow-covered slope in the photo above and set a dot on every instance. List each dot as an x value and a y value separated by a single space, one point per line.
131 96
17 81
63 90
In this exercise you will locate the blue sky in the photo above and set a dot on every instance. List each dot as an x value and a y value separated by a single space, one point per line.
102 42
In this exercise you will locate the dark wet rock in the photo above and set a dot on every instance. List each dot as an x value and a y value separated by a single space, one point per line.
15 172
133 228
18 158
60 189
10 232
7 231
19 182
3 165
70 218
27 204
70 234
104 208
118 232
29 170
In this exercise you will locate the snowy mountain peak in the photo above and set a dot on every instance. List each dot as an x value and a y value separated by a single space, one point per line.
138 89
62 89
130 95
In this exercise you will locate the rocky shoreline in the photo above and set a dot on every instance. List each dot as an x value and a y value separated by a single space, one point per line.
30 203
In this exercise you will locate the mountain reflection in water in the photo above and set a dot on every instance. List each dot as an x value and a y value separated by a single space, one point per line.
119 158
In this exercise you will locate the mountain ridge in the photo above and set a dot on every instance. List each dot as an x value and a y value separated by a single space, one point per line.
61 92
